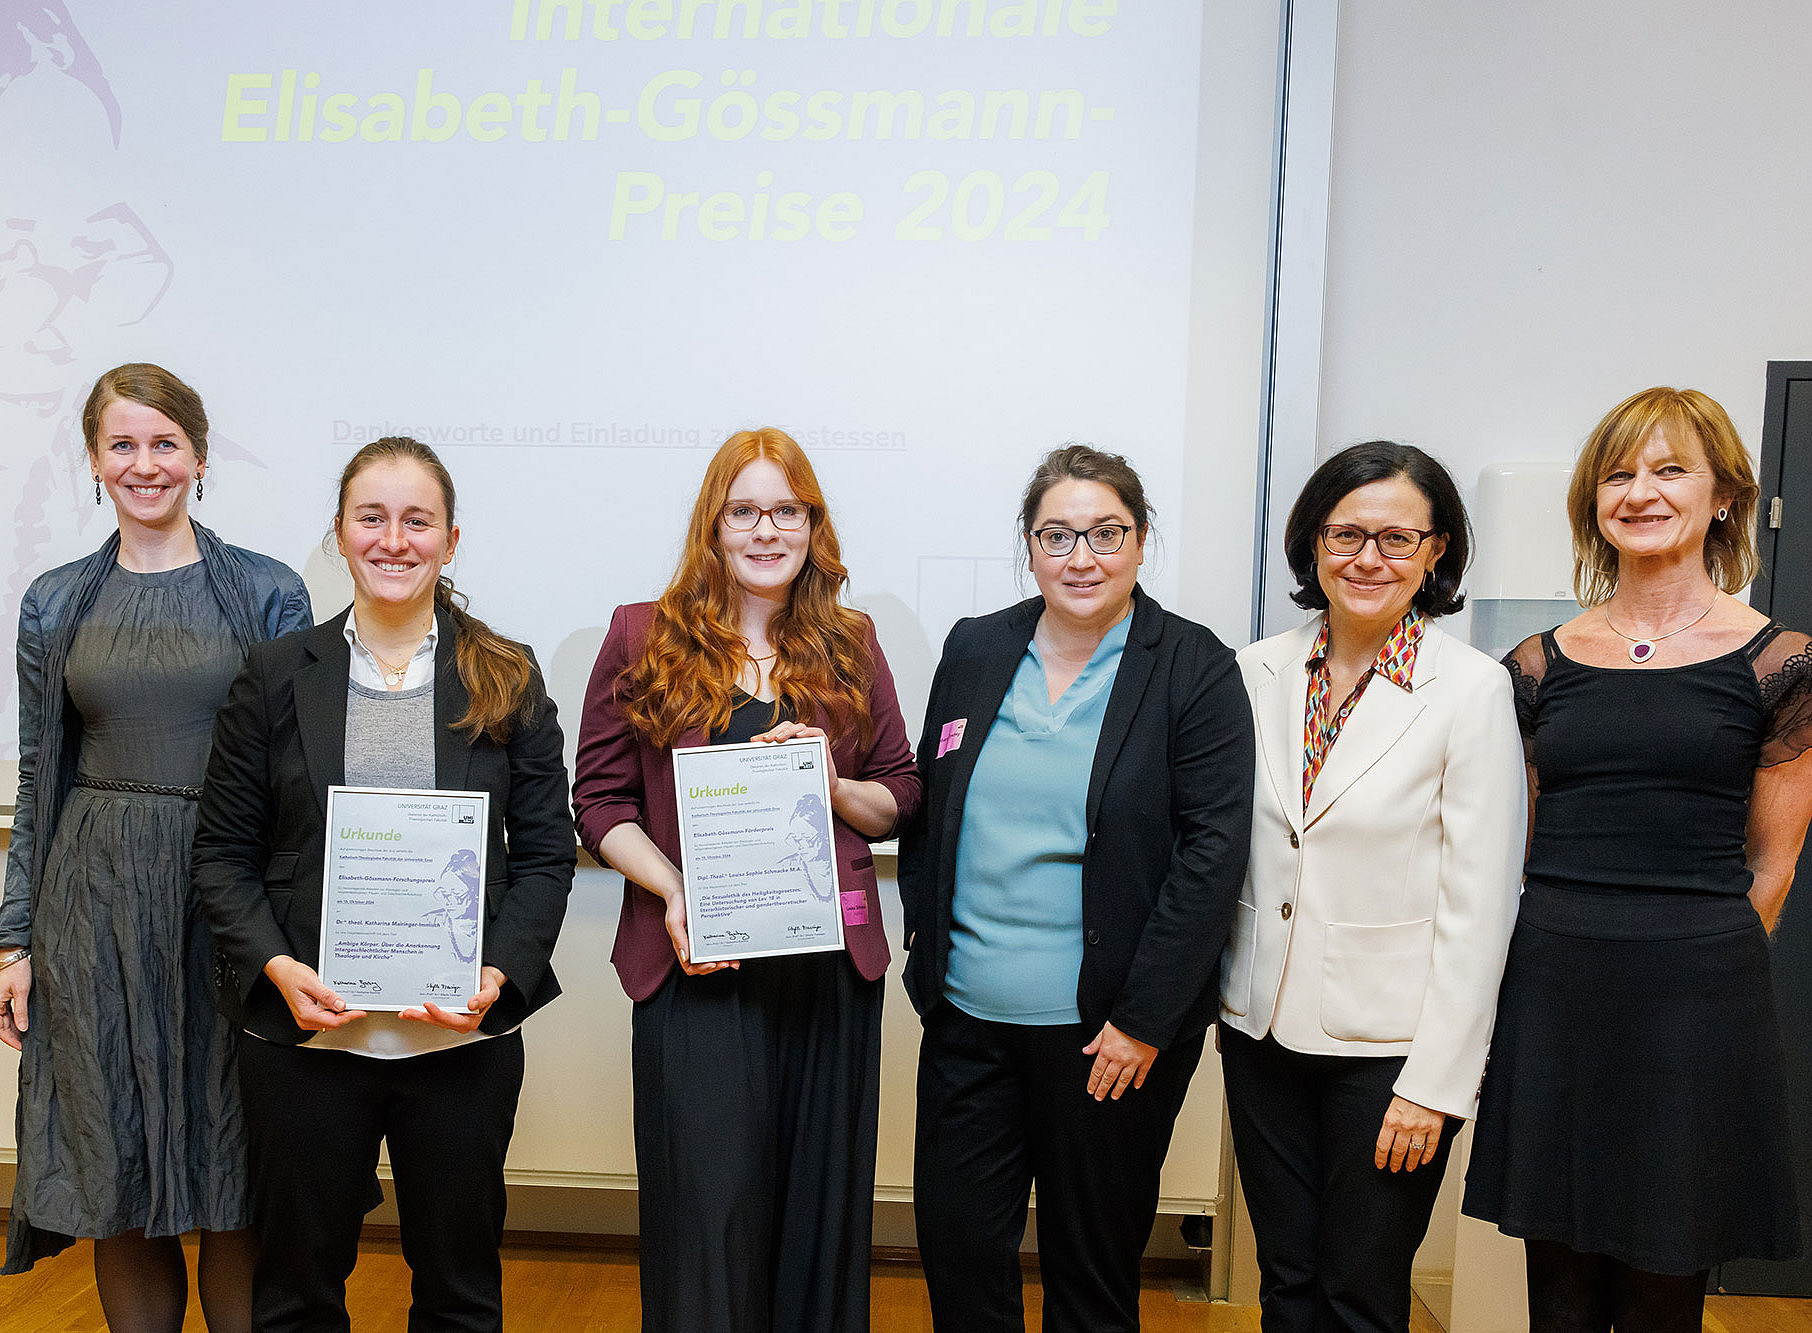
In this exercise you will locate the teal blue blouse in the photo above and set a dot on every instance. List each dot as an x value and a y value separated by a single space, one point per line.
1016 937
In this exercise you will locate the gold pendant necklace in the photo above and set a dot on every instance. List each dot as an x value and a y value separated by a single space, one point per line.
393 675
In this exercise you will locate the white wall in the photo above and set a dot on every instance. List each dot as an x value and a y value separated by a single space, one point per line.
1538 209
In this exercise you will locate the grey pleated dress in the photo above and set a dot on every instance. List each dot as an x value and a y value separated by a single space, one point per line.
128 1110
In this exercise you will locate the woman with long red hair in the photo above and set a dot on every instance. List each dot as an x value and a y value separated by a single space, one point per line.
757 1084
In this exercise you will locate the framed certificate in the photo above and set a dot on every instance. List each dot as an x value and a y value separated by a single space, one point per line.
402 898
757 850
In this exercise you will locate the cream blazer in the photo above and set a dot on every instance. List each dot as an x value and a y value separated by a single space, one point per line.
1393 896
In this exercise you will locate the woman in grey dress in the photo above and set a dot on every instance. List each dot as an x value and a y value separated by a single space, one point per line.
129 1123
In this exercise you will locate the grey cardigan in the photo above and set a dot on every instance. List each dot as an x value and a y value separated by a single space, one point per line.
261 599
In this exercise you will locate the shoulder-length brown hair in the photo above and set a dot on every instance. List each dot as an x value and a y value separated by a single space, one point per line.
1680 414
497 673
695 650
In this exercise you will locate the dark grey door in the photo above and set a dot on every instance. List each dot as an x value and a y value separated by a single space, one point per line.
1784 591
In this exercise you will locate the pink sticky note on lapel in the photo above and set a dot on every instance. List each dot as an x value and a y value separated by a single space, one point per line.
951 736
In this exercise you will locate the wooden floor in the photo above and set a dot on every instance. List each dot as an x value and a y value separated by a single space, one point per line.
590 1291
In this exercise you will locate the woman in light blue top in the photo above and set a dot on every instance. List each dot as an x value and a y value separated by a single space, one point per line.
1087 761
1016 928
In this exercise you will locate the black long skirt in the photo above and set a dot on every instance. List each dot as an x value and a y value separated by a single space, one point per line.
1635 1104
757 1101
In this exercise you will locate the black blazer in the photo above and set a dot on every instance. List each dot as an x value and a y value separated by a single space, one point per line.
1169 818
260 843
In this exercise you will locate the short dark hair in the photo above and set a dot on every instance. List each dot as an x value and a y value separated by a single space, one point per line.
1360 465
1084 462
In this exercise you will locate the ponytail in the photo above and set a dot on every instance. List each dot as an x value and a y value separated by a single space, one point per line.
496 671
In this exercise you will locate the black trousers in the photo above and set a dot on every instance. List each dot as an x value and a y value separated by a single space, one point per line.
1335 1235
315 1120
757 1098
1001 1107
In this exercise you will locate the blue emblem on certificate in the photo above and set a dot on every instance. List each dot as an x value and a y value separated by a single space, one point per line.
402 903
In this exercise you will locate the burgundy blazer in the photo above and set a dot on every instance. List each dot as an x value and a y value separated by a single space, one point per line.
619 775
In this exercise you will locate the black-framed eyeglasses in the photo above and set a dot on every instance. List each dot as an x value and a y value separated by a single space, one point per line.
1103 538
1393 543
788 516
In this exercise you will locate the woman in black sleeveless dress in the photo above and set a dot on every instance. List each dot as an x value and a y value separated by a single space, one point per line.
1633 1126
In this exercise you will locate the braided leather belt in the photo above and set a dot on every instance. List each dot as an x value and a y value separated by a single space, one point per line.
140 788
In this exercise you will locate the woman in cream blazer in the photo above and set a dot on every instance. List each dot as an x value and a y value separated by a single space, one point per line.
1358 991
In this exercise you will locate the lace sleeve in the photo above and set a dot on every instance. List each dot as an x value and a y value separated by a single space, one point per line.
1527 663
1783 671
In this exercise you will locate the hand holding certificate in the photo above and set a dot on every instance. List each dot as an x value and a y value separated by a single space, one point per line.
757 849
466 1017
402 904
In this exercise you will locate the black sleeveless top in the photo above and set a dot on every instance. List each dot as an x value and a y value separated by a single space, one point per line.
749 718
1644 776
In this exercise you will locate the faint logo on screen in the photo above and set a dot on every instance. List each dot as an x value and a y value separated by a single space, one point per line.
77 263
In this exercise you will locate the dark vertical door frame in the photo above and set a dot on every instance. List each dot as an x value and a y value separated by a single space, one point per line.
1773 448
1786 498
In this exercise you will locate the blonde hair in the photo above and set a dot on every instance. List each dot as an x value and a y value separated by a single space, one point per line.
1680 415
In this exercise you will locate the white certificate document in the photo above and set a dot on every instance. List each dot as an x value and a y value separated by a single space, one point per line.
757 851
402 899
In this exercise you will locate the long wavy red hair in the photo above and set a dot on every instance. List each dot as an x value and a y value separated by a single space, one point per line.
695 651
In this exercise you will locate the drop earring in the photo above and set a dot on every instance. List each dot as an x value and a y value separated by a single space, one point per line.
198 489
97 490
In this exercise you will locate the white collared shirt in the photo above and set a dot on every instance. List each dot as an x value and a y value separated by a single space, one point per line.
366 670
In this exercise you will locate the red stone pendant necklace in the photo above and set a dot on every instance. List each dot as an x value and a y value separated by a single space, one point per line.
1643 649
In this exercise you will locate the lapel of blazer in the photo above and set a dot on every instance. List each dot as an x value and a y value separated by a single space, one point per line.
1377 724
452 749
320 694
989 676
1136 662
1277 712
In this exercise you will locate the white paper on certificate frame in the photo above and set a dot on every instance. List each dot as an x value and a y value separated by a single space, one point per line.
402 896
758 850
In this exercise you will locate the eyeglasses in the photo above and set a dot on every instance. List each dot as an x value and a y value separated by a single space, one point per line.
1103 538
788 516
1393 543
